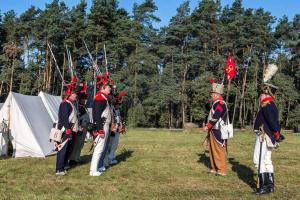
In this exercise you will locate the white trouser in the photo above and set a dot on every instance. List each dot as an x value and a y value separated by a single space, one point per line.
266 153
90 113
114 146
99 148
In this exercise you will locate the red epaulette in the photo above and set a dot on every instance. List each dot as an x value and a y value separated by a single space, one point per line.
99 97
219 106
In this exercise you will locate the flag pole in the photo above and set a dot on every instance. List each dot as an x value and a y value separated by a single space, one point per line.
223 78
228 90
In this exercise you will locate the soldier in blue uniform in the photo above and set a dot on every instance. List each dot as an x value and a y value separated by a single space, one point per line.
268 136
67 121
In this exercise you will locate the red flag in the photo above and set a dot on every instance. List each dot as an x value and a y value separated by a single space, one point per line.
230 68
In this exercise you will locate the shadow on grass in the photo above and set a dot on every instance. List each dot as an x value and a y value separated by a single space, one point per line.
125 154
204 158
244 173
122 157
85 159
5 157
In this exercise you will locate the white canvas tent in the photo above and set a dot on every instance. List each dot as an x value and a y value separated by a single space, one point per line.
52 104
30 119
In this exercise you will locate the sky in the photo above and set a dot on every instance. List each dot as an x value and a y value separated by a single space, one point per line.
167 8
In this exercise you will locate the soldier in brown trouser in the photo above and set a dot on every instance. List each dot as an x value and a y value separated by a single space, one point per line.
217 146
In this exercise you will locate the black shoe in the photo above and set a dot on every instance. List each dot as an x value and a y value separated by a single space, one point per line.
270 181
263 187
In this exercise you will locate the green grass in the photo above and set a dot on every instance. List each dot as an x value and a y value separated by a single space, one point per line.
155 164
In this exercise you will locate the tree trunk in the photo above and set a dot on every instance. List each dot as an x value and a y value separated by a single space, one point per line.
171 117
46 69
255 105
254 111
234 107
135 99
38 84
50 75
242 98
169 110
1 87
244 112
183 103
12 75
171 103
44 79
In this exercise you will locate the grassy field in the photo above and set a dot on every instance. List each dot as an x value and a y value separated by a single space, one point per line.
155 164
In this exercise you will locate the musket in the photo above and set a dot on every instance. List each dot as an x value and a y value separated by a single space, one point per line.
70 61
94 144
105 58
261 140
56 65
97 70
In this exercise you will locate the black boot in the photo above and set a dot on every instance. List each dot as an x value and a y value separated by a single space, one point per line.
263 187
270 181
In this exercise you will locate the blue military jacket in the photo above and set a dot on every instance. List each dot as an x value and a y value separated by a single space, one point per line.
218 110
268 118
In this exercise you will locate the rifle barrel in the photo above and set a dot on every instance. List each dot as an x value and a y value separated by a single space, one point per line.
56 65
105 58
94 64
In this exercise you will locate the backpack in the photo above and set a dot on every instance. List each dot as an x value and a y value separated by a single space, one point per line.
226 128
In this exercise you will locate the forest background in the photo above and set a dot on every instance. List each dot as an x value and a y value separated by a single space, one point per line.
165 72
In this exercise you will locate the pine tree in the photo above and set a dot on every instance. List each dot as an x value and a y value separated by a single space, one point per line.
142 63
164 71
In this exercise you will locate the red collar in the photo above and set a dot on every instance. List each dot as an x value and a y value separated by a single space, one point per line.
101 96
267 99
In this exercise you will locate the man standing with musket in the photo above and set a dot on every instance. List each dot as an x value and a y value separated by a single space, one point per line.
217 146
79 137
268 136
102 117
67 121
117 128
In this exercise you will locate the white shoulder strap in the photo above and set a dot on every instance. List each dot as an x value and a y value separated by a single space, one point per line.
226 110
73 113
